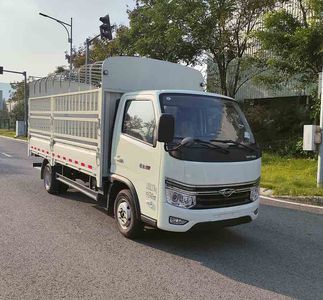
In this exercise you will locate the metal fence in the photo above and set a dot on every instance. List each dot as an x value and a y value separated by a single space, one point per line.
7 124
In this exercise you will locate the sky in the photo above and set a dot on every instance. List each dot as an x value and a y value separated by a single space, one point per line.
5 88
37 45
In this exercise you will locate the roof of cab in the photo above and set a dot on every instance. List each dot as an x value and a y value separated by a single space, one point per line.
173 91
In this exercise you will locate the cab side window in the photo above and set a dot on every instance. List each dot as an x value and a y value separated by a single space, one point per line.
139 120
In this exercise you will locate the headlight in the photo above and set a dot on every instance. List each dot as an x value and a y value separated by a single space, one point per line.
254 193
180 198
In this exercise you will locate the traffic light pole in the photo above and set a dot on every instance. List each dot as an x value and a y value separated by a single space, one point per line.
105 33
25 98
26 104
88 43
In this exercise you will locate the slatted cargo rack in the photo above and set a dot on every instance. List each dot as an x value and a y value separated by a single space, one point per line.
85 78
66 129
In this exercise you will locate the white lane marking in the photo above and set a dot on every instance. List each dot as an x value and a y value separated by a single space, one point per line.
13 139
6 154
293 203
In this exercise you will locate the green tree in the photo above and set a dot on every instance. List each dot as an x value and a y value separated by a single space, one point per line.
60 69
294 45
4 111
79 58
17 112
188 30
17 91
17 96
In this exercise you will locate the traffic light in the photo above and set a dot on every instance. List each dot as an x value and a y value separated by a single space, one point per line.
1 70
105 28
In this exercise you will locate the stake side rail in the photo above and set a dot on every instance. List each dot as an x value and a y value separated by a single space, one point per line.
66 129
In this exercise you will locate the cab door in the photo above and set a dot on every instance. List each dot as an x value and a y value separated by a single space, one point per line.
136 153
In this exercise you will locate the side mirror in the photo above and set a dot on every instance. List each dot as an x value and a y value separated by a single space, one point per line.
166 129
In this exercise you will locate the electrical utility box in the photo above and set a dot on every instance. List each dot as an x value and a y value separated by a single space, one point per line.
311 137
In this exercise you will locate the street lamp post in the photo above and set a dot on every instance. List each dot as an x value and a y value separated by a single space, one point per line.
69 33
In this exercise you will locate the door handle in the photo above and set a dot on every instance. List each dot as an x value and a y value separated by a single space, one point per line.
119 160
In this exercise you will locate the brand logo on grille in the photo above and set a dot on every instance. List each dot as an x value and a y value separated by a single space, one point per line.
226 192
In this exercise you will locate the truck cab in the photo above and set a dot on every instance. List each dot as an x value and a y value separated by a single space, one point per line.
212 177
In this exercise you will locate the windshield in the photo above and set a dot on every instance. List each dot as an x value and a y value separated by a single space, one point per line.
207 118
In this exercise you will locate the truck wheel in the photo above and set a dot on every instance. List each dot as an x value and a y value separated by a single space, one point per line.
51 184
125 215
63 187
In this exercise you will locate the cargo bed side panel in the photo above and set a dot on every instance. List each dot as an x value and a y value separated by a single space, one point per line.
66 129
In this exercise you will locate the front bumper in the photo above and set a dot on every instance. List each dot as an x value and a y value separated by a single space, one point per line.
203 215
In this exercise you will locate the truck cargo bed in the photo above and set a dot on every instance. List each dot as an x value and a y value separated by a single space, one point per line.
65 129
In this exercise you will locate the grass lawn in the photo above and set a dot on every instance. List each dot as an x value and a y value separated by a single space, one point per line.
10 133
289 176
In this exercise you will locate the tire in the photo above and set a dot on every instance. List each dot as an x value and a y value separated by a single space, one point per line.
51 184
63 187
125 214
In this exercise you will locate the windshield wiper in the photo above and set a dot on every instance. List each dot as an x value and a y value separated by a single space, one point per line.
235 143
188 141
211 145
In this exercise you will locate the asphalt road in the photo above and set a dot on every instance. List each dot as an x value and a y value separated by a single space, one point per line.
54 247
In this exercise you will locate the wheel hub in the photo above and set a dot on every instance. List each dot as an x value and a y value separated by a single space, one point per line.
47 179
124 214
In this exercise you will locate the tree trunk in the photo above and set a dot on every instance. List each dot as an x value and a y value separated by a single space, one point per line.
223 77
233 91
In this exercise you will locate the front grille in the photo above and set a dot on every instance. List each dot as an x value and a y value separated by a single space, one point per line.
218 201
214 196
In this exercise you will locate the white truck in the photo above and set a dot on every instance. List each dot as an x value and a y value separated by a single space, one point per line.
142 136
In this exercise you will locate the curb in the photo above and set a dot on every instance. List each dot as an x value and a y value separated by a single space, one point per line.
266 192
13 139
291 202
311 200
